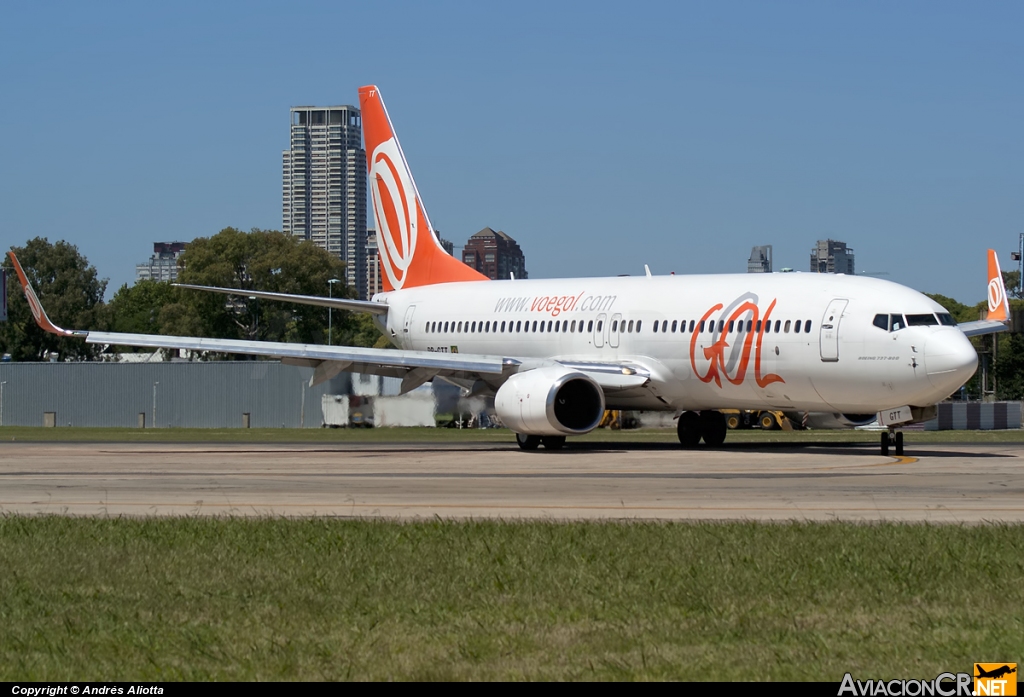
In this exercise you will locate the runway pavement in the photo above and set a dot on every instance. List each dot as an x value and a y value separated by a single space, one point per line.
940 483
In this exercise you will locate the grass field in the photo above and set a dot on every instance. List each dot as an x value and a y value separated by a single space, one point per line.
499 435
270 599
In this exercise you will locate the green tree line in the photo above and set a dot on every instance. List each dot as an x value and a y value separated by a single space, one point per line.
72 293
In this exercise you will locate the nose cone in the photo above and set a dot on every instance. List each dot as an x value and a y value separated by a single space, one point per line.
949 359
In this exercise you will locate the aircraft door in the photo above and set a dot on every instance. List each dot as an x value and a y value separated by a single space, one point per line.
407 327
829 338
615 330
599 329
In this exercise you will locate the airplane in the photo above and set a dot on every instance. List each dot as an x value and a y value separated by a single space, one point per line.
556 353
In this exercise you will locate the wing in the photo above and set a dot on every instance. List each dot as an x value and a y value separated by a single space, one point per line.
983 326
375 308
474 372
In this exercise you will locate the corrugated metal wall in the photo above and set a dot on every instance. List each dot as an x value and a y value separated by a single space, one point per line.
193 395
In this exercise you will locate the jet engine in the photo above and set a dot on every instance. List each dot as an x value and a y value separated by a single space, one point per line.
550 401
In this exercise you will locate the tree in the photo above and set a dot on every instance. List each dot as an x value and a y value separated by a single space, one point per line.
70 290
264 260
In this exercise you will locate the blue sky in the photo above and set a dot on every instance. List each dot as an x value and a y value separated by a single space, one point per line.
602 136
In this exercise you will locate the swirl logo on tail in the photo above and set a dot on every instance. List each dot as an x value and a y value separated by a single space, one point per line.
396 209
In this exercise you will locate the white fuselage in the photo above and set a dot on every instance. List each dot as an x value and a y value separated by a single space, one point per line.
839 360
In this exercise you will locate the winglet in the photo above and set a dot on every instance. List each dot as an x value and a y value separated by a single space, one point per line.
998 305
37 308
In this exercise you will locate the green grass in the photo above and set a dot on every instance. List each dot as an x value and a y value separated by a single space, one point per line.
471 435
271 599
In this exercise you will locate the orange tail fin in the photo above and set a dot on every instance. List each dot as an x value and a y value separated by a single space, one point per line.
409 252
998 305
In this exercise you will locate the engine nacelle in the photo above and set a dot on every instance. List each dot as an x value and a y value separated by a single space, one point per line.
550 401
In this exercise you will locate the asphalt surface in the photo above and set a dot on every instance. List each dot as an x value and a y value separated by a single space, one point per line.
941 483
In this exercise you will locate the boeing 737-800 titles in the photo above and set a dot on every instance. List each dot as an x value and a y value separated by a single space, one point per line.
555 353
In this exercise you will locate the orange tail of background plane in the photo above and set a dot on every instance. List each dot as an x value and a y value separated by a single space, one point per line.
998 305
409 252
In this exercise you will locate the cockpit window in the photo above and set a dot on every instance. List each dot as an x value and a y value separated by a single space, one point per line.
882 322
896 323
946 319
921 320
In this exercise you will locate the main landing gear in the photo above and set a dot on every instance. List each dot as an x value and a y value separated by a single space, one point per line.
709 425
893 437
526 442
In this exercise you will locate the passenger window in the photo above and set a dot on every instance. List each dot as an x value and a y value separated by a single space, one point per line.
732 325
749 323
702 326
572 327
565 325
630 326
590 326
534 327
638 323
758 326
786 328
721 326
882 322
473 329
655 329
807 326
615 325
692 322
778 323
556 327
445 327
549 325
542 326
502 326
796 327
600 324
675 323
519 326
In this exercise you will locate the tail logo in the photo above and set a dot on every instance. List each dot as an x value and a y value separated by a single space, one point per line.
995 295
396 210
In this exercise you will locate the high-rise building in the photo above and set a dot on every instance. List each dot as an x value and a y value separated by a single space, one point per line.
832 256
374 280
494 254
324 185
163 265
760 260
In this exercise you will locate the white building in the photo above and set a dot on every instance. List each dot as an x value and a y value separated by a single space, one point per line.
163 265
324 185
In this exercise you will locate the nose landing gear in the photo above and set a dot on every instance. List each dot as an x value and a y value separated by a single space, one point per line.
893 437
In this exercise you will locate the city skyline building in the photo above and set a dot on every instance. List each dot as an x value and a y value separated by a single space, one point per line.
495 255
832 256
163 265
760 260
324 186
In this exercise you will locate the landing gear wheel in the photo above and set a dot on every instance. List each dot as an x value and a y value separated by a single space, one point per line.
885 442
713 428
553 442
899 443
688 429
526 442
768 422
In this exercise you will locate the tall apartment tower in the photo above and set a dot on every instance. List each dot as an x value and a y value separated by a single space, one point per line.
495 255
324 185
832 256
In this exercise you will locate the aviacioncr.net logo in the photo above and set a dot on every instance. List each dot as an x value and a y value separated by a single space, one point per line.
395 207
944 685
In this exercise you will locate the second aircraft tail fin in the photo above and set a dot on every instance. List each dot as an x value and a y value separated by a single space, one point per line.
998 305
410 254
